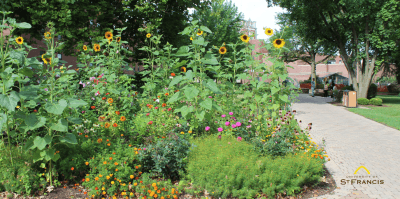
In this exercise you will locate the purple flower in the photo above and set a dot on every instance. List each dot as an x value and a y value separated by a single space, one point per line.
84 85
238 124
83 111
117 51
248 126
219 137
223 115
230 113
93 98
46 89
220 129
239 139
144 148
227 123
250 121
207 128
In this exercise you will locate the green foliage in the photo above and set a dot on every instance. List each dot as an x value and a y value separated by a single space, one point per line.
372 91
363 101
227 167
350 88
376 101
338 95
394 88
166 156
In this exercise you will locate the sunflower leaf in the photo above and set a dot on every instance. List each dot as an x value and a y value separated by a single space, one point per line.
205 29
23 25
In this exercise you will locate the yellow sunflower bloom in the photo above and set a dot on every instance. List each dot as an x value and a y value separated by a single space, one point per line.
108 35
46 60
47 35
269 31
222 50
245 38
84 47
19 40
191 38
199 32
118 39
279 43
183 69
96 47
148 35
110 40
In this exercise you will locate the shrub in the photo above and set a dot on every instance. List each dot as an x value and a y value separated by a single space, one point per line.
363 101
350 88
227 167
338 95
372 91
376 101
394 88
167 156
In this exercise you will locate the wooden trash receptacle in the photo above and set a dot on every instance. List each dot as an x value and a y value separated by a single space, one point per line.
350 99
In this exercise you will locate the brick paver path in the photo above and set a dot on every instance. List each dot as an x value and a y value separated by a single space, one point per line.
352 141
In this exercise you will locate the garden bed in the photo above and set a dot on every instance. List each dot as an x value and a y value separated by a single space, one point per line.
341 104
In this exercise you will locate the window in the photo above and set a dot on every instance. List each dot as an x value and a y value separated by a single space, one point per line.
331 61
59 56
340 61
59 37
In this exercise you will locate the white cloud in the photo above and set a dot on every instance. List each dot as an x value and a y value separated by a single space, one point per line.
258 11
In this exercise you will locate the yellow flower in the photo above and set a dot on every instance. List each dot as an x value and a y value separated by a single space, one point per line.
84 47
148 35
279 43
154 184
100 175
131 176
18 106
87 179
87 163
199 32
269 31
96 47
103 188
135 184
47 35
112 182
190 132
108 35
191 38
182 132
245 38
19 40
183 69
62 71
108 177
222 50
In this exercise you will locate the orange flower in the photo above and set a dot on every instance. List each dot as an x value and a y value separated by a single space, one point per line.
104 98
113 153
87 179
105 162
117 112
164 105
123 118
110 158
173 74
93 107
99 140
108 144
86 136
110 100
87 163
115 125
116 163
96 178
72 168
107 125
166 94
176 91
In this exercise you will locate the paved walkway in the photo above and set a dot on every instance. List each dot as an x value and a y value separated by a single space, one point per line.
352 141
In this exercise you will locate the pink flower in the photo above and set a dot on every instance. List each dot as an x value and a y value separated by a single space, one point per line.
144 148
220 129
147 114
169 109
238 124
98 93
156 107
223 115
83 111
163 124
248 126
233 125
239 139
207 128
230 113
209 97
84 85
227 123
92 78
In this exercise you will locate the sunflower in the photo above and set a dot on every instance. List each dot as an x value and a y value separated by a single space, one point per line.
279 43
110 100
107 125
84 47
123 118
199 32
269 31
245 38
222 50
96 47
118 39
46 60
110 40
183 69
108 35
148 35
191 38
47 35
19 40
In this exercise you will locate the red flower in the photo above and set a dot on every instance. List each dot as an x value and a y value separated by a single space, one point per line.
35 111
93 107
169 109
107 93
154 99
173 74
72 168
164 105
156 107
117 112
151 122
115 125
104 98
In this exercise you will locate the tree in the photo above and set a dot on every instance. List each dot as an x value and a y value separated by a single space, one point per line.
223 19
85 20
355 27
299 46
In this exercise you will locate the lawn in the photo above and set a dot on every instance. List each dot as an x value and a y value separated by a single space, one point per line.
389 116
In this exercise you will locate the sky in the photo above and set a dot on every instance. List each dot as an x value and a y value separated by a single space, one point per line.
258 11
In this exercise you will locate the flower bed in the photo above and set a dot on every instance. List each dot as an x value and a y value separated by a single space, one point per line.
93 128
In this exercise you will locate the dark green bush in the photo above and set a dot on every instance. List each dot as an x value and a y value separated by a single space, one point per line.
338 95
372 91
376 101
362 101
167 156
350 88
394 88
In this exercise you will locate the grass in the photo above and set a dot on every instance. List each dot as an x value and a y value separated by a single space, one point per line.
389 116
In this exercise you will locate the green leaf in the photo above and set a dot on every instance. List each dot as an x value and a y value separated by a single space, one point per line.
189 75
62 126
47 154
274 90
75 120
23 25
186 110
203 28
56 108
257 98
216 107
200 116
3 120
56 157
175 80
9 102
36 156
17 56
41 143
191 92
199 41
69 138
284 98
29 144
212 86
174 98
207 104
275 106
26 72
33 122
74 103
183 51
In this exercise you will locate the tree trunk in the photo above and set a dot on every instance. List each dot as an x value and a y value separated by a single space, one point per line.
313 67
